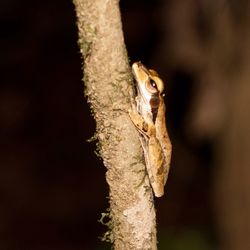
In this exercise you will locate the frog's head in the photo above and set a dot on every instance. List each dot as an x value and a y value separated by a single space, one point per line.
149 85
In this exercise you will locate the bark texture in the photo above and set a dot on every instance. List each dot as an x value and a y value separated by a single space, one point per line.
108 86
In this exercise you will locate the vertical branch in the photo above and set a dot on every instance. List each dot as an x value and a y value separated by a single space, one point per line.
108 88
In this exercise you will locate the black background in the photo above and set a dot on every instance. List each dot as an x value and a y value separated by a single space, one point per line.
52 185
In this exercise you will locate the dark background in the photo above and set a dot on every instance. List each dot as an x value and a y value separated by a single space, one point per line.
52 185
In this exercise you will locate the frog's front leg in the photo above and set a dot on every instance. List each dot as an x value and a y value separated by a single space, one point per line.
152 152
139 122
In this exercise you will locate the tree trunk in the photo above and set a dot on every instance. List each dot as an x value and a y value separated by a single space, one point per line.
108 87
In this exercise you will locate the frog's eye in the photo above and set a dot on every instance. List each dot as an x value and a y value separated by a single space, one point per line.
152 83
151 86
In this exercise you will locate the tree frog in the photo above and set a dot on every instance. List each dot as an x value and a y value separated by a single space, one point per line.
148 116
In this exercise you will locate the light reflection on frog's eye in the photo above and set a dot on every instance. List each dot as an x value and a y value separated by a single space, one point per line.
151 86
152 83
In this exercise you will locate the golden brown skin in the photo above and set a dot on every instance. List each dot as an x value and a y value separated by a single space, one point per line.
149 118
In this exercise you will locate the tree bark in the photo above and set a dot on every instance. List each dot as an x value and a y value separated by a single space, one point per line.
108 87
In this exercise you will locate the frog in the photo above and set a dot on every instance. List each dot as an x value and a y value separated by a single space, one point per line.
148 116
